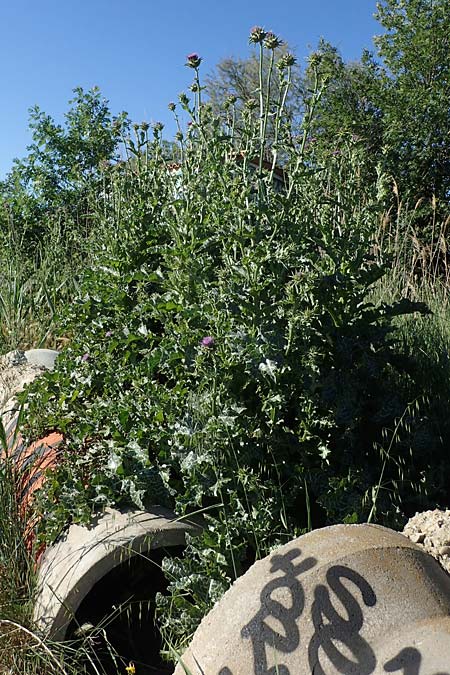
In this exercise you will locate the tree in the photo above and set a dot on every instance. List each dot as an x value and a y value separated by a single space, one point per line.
349 108
62 165
395 105
415 50
238 80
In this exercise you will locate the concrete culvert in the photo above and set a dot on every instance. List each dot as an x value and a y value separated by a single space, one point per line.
97 581
102 581
118 616
343 600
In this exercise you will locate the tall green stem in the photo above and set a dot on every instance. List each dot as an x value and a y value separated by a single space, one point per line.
265 112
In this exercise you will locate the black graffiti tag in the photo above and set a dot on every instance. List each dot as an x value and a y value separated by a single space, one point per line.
260 632
408 660
330 627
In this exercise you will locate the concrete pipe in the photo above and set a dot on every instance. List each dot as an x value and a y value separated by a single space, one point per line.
347 599
70 569
103 577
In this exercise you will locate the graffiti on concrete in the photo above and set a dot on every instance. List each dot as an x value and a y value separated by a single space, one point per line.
408 661
330 628
259 631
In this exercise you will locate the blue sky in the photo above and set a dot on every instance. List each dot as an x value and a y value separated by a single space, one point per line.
135 50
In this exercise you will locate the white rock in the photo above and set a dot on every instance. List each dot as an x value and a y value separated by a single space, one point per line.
431 530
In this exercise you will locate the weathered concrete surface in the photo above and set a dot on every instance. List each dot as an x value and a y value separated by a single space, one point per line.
15 373
348 599
44 358
420 649
431 530
72 566
17 369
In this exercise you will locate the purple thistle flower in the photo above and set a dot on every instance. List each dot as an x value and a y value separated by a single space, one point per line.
108 334
85 357
193 60
207 341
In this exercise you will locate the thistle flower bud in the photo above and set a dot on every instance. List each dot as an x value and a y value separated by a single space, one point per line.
272 41
257 35
145 126
290 59
287 61
158 127
315 60
172 106
193 60
179 136
183 99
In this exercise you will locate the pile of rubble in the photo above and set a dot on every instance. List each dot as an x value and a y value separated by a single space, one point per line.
431 530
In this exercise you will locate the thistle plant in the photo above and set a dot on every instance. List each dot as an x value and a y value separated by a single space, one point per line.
236 364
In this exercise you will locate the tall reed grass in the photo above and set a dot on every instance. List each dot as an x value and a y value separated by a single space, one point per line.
23 651
419 269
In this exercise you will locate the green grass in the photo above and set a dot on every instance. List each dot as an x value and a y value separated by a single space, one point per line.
37 282
17 641
22 650
419 271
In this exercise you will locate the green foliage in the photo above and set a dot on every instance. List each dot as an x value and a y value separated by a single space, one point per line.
350 109
396 108
63 166
225 354
229 352
415 51
32 290
46 205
